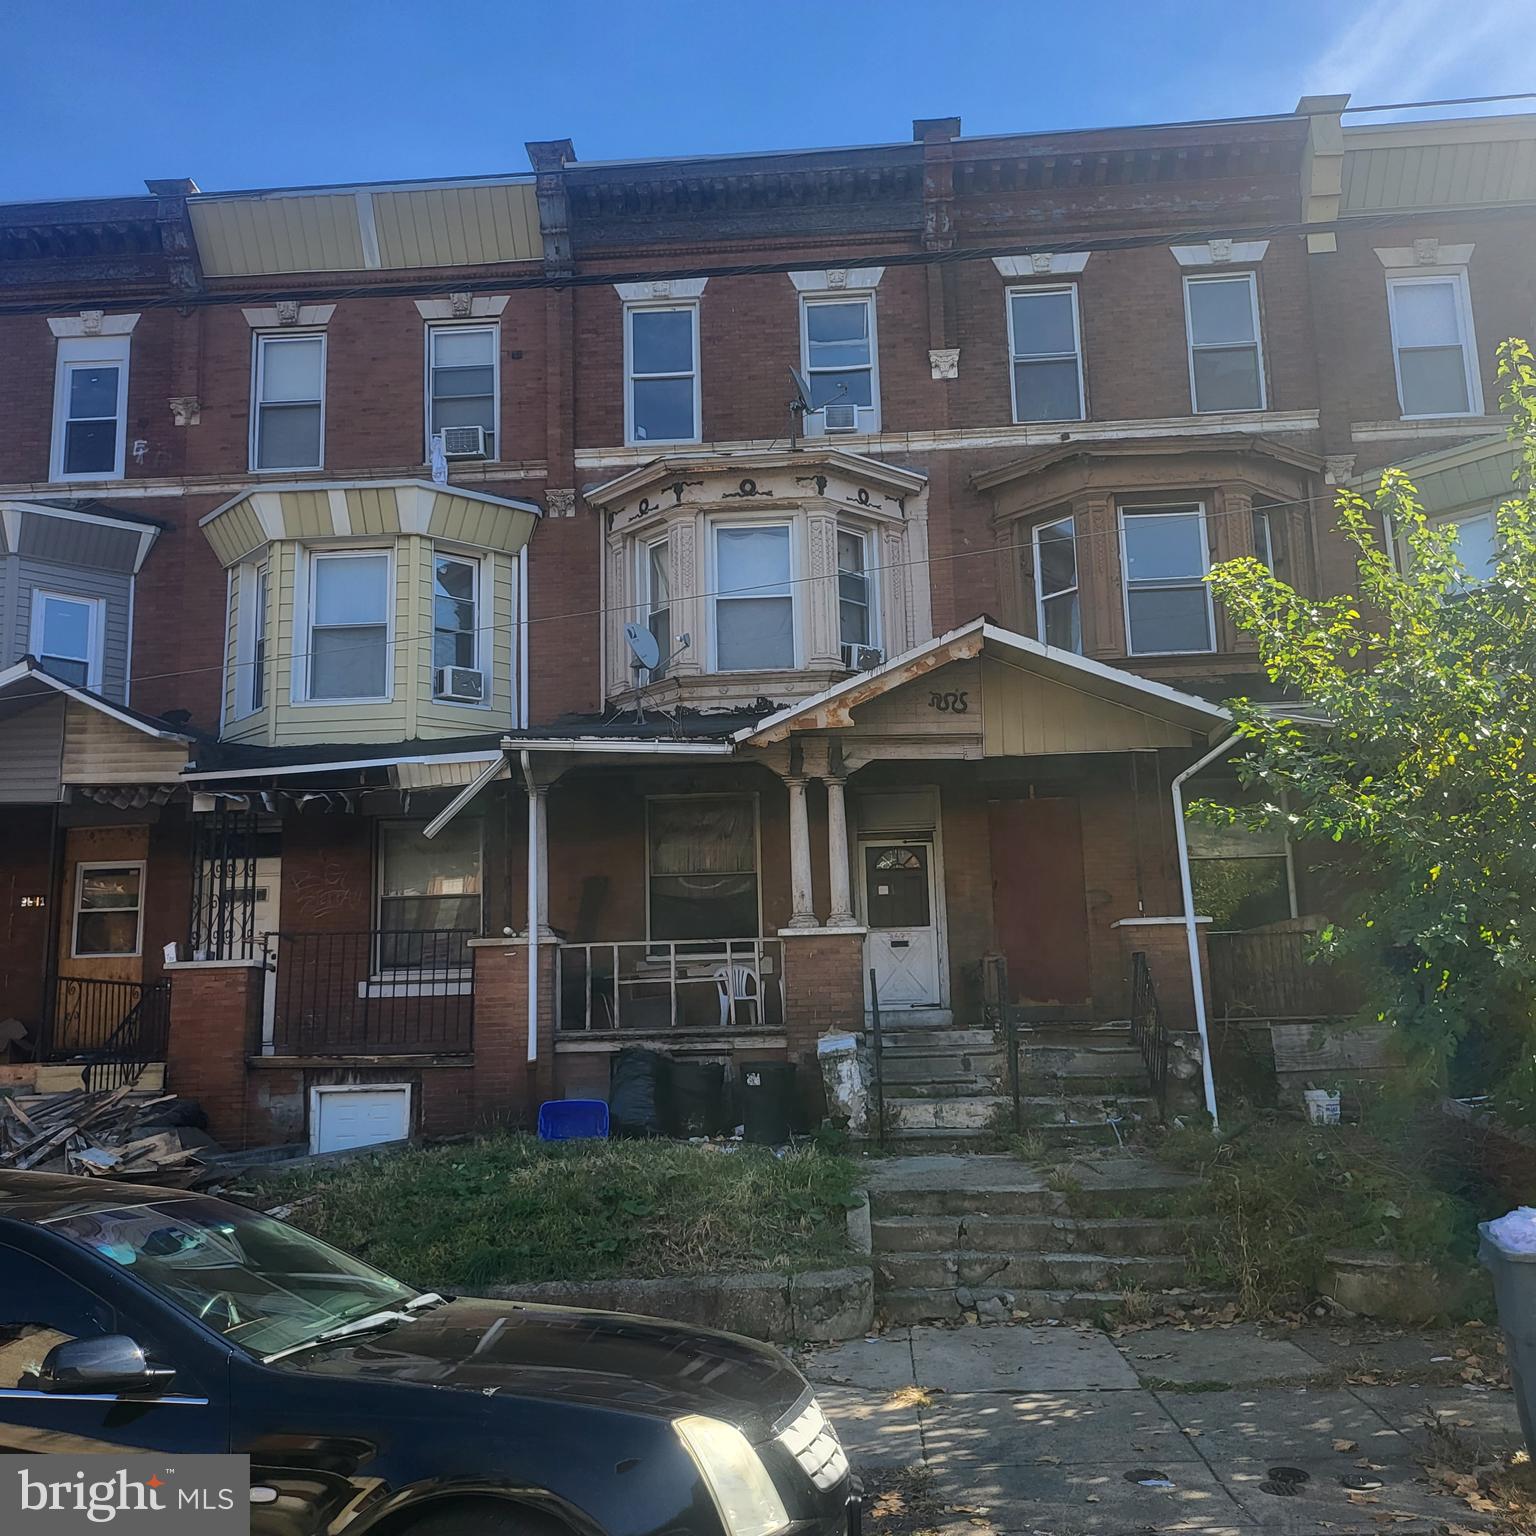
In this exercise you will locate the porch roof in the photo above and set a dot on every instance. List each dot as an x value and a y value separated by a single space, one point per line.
832 709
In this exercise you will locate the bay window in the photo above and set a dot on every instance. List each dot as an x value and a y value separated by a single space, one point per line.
455 614
1164 560
855 593
461 380
661 355
1226 361
288 420
754 606
838 354
702 867
1432 345
1058 613
348 648
109 909
429 894
66 637
90 408
1046 350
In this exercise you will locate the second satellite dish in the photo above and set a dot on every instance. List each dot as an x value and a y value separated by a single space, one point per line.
803 390
643 646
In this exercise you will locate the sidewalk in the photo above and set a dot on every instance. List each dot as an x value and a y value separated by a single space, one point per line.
1039 1429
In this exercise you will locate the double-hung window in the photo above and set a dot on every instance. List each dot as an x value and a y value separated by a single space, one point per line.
252 587
856 613
1058 614
455 615
754 599
1476 545
838 353
1432 345
1226 360
1164 560
66 636
109 909
701 857
90 408
262 584
429 894
349 625
288 419
461 380
656 592
661 357
1045 343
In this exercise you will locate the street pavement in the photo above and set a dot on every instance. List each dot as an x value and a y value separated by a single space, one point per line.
1070 1432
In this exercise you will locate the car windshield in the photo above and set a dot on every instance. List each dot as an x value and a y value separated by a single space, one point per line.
263 1285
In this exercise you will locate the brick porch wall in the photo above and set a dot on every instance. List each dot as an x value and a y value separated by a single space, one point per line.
215 1024
508 1088
823 990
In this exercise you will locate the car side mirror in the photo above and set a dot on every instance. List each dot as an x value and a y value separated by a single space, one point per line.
111 1363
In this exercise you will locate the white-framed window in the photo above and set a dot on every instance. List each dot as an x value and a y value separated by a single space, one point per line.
259 639
858 611
67 637
90 408
701 867
349 602
109 909
839 354
655 577
661 371
1226 357
1263 538
252 587
1164 559
288 402
463 380
1058 612
754 604
1433 347
429 896
455 613
1046 353
1477 544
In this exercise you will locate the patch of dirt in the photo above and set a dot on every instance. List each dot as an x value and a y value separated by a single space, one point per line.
902 1502
1499 1492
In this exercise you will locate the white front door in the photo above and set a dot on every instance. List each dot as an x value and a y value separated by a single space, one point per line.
264 920
899 908
358 1117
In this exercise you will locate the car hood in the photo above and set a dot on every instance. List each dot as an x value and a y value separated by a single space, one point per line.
605 1359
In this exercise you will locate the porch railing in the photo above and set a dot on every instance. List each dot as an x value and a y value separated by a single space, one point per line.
1148 1032
114 1028
659 984
1268 975
370 993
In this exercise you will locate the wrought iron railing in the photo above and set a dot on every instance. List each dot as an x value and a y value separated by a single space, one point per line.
369 992
1148 1032
1269 974
662 984
113 1028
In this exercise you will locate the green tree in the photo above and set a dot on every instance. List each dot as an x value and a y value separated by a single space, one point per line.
1411 744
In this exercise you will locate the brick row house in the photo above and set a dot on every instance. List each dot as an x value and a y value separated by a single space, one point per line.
451 630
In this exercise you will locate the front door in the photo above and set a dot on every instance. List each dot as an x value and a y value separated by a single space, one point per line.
900 913
1039 899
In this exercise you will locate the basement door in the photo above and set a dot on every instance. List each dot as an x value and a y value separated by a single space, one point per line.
343 1117
899 907
1040 899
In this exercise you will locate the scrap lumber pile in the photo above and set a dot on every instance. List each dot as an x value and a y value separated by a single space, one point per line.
106 1134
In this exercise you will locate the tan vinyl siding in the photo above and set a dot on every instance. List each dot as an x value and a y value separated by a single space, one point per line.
373 511
458 226
1487 172
241 236
1484 481
235 532
307 515
101 750
233 583
1024 715
481 523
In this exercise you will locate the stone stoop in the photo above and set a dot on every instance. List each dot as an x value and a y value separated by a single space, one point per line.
988 1235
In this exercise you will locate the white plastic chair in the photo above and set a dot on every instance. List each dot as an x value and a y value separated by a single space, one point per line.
739 984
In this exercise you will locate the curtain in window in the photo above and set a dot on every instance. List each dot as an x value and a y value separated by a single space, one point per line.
703 869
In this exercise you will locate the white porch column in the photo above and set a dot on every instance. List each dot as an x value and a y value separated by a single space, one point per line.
841 915
803 913
538 863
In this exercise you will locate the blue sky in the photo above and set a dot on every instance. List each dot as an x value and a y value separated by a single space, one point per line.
99 94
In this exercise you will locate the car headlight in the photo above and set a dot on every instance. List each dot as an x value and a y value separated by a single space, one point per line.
734 1473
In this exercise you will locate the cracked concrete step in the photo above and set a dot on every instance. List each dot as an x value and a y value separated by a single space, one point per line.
935 1041
1029 1271
968 1112
927 1304
1115 1236
1084 1085
1069 1062
925 1066
1074 1109
973 1086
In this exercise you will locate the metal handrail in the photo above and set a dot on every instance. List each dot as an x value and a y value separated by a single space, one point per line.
1148 1031
877 1051
114 1028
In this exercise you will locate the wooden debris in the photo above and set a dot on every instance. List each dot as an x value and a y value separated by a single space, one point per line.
99 1135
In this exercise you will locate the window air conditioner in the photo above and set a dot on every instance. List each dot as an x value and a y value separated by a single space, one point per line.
463 684
463 442
861 658
840 418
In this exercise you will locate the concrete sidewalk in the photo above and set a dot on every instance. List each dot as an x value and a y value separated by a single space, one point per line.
1069 1432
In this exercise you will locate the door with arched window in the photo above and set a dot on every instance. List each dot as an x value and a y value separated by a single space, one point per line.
899 908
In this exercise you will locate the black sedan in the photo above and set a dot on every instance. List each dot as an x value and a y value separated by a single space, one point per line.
138 1319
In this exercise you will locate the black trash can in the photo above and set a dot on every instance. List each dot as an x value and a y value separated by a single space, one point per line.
637 1085
697 1098
768 1101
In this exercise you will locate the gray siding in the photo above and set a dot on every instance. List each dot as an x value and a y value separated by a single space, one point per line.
25 573
31 749
67 542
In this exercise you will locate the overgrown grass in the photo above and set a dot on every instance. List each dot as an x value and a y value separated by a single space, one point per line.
508 1210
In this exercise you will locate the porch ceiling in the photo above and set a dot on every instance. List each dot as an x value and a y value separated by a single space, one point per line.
1034 700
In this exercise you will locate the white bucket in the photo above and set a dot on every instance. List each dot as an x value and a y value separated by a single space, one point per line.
1322 1106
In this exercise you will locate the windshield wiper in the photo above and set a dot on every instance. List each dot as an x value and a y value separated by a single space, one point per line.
375 1322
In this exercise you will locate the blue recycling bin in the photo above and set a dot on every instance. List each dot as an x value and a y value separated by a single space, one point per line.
573 1120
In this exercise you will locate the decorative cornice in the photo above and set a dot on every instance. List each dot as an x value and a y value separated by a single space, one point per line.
467 306
661 288
1220 253
93 322
1424 253
832 279
1042 264
286 312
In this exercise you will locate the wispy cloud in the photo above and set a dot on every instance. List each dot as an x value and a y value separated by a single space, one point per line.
1407 50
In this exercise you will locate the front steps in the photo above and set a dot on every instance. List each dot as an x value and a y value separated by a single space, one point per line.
994 1236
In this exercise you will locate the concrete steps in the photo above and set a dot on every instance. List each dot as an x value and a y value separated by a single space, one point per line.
1119 1236
947 1304
1030 1271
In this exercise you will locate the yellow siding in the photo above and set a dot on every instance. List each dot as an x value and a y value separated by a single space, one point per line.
101 750
1024 715
235 532
231 633
458 226
240 236
307 515
480 523
497 604
373 510
1476 172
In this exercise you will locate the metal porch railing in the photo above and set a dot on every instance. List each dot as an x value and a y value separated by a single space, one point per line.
1148 1031
663 984
115 1028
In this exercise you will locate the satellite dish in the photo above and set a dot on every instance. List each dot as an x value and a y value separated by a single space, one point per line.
642 644
802 390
